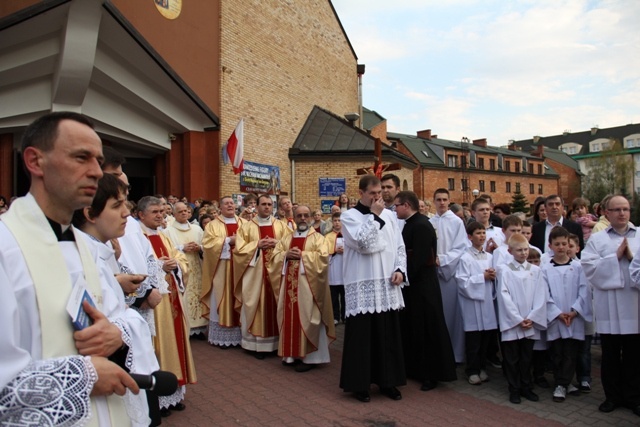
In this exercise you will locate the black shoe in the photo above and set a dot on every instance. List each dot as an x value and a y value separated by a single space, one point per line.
541 382
529 395
495 361
514 398
178 407
635 409
200 337
607 406
296 362
165 412
362 396
391 392
304 367
259 355
429 385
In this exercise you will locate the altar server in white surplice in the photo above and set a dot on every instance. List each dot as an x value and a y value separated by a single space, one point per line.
374 269
611 262
42 258
452 244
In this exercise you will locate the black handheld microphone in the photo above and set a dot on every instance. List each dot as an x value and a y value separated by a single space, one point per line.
162 383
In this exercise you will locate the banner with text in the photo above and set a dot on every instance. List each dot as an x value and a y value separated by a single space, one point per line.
259 178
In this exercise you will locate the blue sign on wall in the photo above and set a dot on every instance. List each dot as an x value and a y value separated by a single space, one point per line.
326 205
332 187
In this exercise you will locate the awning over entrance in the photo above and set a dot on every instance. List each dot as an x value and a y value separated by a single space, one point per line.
83 55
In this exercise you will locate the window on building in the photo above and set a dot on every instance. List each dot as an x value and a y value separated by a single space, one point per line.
532 189
507 166
525 165
571 150
540 169
517 187
517 166
465 184
452 184
481 185
540 189
492 186
463 161
492 164
452 161
500 162
507 187
480 163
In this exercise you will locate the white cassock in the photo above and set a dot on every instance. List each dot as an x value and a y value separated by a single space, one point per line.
137 258
615 283
452 244
521 295
180 234
60 385
476 295
568 289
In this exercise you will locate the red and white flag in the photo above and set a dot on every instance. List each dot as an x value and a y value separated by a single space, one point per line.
235 148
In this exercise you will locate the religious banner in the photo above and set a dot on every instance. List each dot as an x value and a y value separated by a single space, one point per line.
260 179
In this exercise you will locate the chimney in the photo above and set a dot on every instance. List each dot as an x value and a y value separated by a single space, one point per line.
480 142
434 136
425 134
539 151
536 139
594 130
512 146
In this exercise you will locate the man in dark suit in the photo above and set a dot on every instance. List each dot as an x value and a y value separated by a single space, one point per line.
427 347
540 231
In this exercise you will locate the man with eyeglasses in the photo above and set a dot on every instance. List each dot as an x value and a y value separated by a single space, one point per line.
298 272
614 274
540 231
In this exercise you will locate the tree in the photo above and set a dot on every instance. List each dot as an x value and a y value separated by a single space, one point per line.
519 201
610 172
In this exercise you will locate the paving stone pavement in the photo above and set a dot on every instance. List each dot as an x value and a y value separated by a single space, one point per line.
236 389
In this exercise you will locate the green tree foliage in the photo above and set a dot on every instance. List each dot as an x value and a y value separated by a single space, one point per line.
611 172
519 201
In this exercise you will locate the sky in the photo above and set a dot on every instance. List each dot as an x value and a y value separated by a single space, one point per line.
501 70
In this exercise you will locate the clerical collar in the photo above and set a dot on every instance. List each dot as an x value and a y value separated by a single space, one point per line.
364 210
180 226
263 221
148 230
557 264
476 251
63 233
299 233
226 220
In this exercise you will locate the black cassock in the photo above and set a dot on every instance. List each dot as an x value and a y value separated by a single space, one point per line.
428 352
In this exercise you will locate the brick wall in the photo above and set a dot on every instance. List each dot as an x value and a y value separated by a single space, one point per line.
308 172
278 60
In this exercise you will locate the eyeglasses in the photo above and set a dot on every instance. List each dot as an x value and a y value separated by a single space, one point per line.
620 210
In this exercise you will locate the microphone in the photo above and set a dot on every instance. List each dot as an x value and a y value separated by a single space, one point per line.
162 383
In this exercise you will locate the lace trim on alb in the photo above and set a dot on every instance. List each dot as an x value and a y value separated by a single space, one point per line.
52 392
129 299
126 338
372 296
401 260
222 336
174 399
367 236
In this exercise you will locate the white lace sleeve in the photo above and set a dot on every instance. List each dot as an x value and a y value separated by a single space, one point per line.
156 275
401 260
129 299
126 338
53 392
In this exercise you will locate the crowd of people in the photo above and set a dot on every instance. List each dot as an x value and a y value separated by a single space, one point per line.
419 285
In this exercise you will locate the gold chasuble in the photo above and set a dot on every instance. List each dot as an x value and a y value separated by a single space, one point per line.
181 234
302 289
172 327
217 271
253 288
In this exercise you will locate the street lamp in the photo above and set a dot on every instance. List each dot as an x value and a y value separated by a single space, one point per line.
475 193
